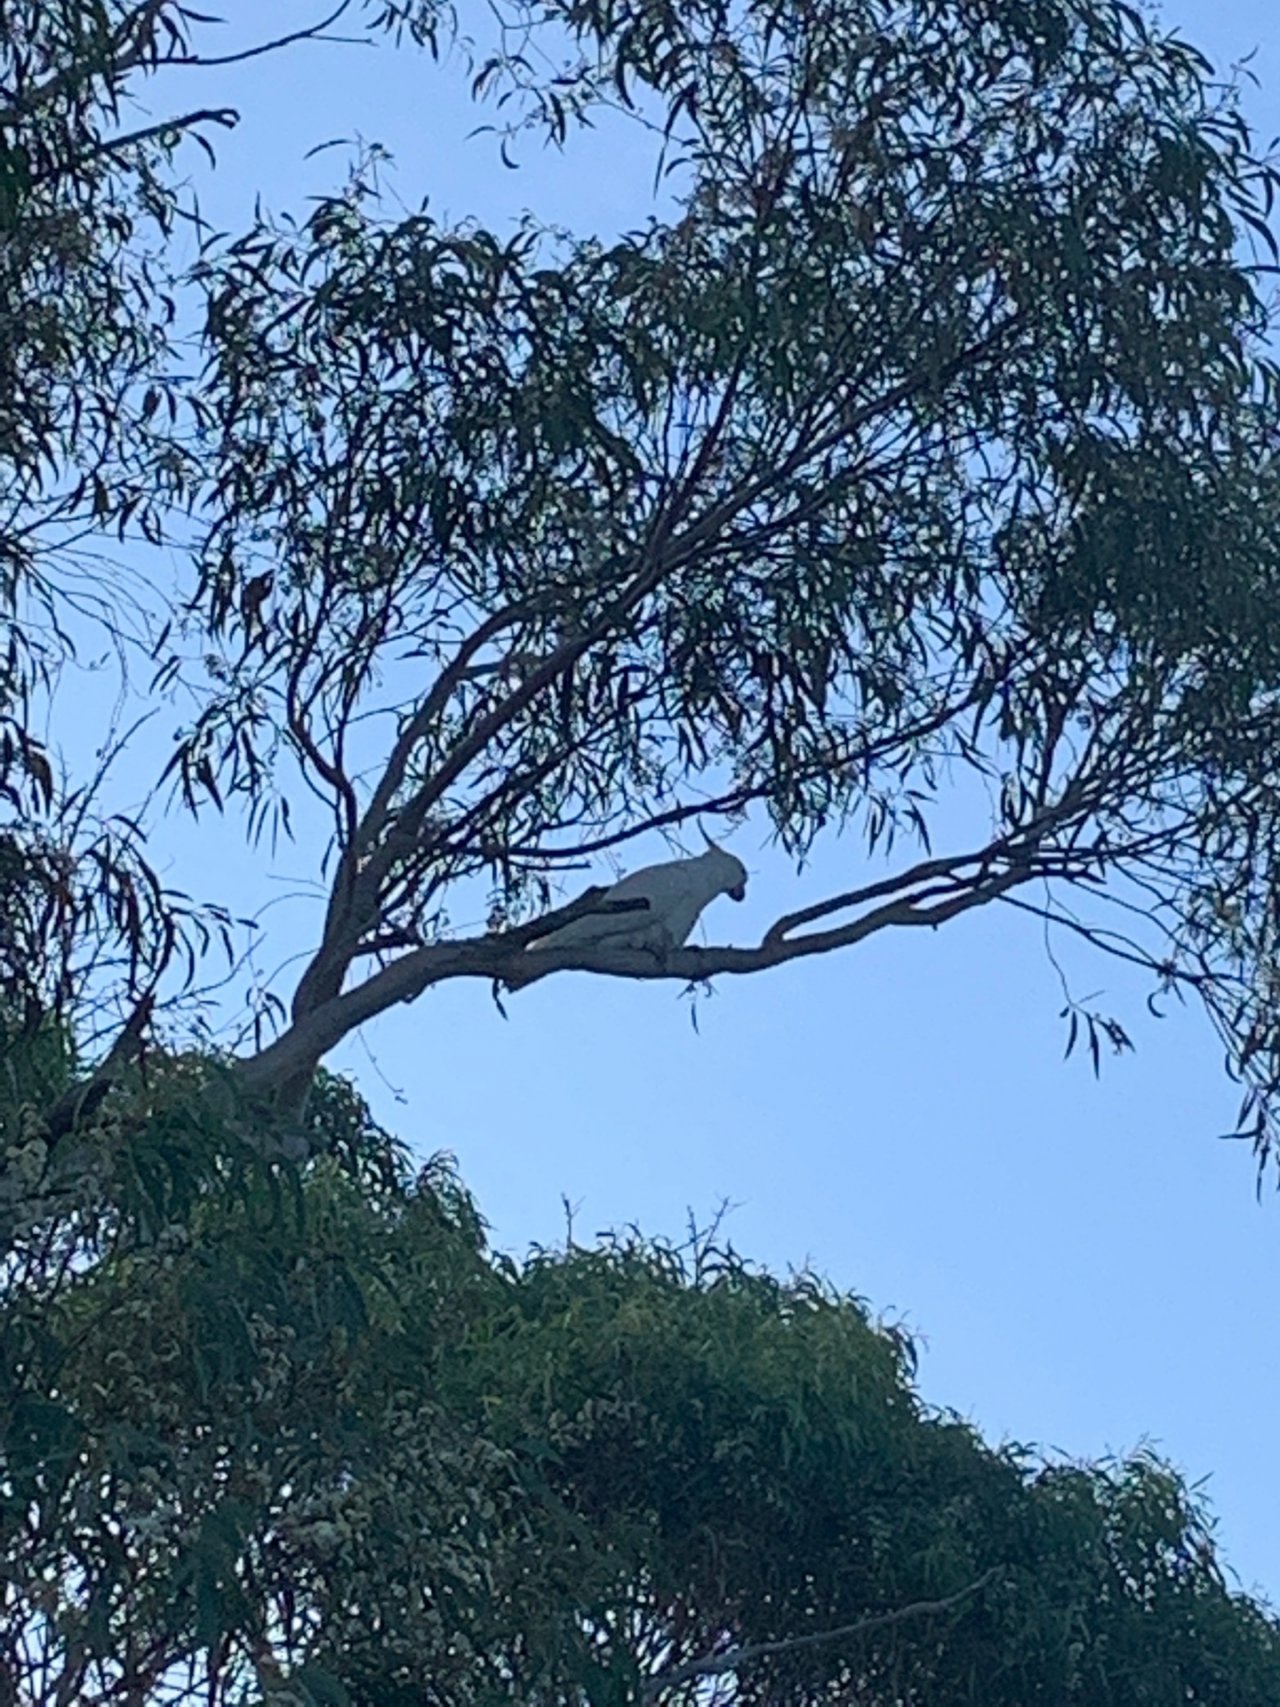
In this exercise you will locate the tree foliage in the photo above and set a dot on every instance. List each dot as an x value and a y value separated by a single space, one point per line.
931 434
287 1431
932 438
96 454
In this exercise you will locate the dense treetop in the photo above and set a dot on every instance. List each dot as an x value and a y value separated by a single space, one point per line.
269 1428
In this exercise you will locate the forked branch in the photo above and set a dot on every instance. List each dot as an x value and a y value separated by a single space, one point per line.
504 955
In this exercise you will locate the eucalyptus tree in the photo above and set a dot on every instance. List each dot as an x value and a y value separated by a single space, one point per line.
930 437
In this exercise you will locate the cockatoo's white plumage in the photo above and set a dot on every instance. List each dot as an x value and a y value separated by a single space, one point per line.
676 893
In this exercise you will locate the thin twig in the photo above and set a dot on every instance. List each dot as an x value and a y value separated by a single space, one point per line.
228 117
715 1665
311 32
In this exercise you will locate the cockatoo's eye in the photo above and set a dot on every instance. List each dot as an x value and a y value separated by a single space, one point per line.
738 892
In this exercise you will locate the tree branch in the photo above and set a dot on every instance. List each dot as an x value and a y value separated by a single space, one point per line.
309 32
419 725
715 1665
652 567
363 865
737 799
228 117
82 1101
924 872
122 58
362 870
1017 846
317 1030
504 955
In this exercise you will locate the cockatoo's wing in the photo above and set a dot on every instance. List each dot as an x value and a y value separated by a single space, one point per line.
612 928
674 894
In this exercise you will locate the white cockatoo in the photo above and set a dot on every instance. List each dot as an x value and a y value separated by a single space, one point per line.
675 894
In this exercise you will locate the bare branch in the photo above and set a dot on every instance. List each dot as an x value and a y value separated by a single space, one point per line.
716 1665
81 1101
310 32
1018 846
504 955
923 872
225 116
1117 944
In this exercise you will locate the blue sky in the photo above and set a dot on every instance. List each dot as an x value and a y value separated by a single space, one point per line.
1085 1267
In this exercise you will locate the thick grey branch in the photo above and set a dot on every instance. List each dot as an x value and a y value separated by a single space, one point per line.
317 1030
503 954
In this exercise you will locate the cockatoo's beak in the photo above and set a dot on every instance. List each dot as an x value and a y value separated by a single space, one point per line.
738 892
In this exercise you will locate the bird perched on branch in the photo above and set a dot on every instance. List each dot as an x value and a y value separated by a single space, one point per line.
674 894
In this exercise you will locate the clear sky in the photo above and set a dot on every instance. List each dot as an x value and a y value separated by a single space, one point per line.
1085 1267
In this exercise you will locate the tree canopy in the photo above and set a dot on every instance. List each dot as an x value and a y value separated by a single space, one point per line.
280 1432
